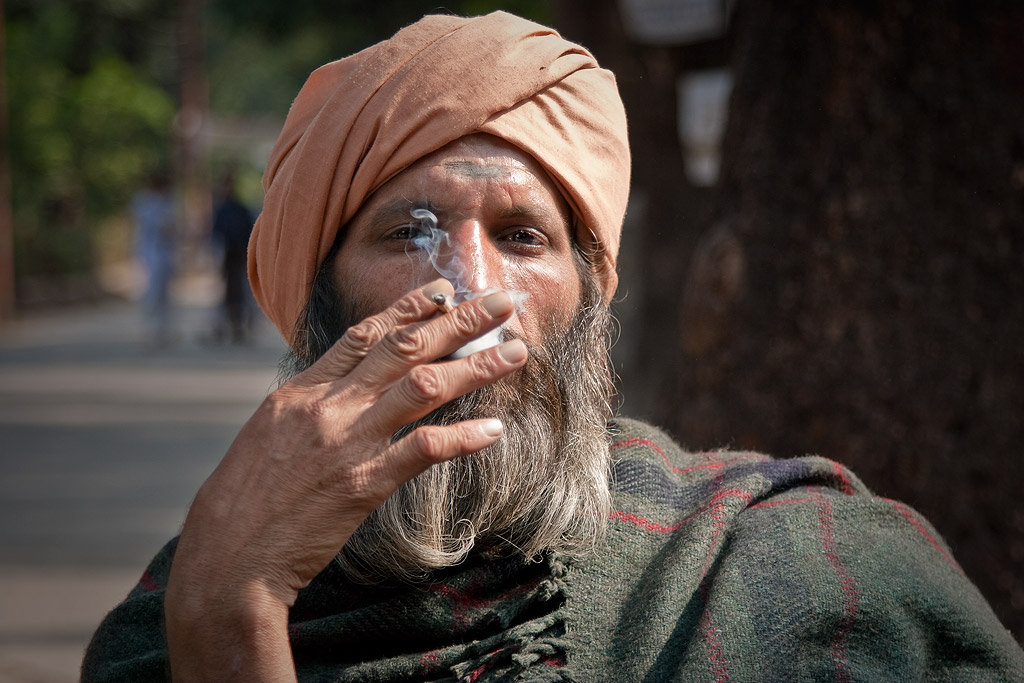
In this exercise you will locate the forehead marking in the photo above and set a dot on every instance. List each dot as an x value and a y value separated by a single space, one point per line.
471 170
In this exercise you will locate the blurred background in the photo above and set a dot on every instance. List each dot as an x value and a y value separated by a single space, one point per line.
824 253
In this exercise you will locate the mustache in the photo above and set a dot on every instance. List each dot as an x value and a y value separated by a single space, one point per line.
538 371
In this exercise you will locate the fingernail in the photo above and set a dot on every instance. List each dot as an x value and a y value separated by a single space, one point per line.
491 427
513 351
439 286
497 304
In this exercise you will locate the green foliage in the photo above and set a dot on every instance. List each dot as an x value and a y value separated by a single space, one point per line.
86 128
261 51
122 127
250 78
91 110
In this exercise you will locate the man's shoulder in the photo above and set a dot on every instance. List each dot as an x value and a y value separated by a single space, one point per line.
737 561
648 464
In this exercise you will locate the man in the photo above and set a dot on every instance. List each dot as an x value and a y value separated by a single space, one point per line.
153 212
494 522
231 229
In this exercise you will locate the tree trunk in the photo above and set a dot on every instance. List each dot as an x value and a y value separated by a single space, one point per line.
666 212
860 291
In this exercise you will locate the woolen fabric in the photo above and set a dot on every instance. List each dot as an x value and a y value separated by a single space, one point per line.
718 566
360 121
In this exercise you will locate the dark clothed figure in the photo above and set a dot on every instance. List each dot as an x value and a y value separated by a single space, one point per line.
232 226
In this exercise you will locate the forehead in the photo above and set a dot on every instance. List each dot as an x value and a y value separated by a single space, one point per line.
481 163
482 155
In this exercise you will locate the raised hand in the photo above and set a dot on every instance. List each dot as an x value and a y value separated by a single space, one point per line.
313 461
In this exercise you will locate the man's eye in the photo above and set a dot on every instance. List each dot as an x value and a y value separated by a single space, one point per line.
524 236
405 232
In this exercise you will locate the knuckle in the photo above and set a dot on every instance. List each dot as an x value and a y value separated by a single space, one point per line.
406 341
360 338
430 443
313 413
285 404
407 307
465 320
482 367
424 384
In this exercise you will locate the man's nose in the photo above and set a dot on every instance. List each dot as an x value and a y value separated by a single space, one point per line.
479 258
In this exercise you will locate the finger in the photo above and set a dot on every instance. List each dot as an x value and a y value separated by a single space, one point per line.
429 386
430 445
407 347
359 339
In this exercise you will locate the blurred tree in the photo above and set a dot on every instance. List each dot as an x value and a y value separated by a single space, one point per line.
853 286
86 126
94 89
6 226
276 45
260 52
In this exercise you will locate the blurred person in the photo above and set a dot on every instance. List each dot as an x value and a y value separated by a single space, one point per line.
156 241
232 226
413 505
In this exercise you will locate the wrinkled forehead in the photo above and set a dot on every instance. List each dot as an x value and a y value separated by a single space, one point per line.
480 156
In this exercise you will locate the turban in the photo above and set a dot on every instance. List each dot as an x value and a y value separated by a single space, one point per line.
361 120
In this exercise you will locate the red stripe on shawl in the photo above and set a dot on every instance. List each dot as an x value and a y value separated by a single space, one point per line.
650 525
490 660
148 583
463 601
712 635
638 442
713 643
773 503
429 662
849 588
903 510
706 466
900 507
465 597
477 673
461 597
841 473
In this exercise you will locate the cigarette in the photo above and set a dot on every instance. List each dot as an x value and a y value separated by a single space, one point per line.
442 301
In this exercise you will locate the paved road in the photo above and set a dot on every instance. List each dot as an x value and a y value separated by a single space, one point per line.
103 441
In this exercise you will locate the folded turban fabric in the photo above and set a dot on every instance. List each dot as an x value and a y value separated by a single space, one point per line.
361 120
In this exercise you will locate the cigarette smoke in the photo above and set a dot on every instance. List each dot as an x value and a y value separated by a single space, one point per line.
434 243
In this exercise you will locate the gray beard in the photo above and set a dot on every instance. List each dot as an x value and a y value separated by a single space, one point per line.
543 486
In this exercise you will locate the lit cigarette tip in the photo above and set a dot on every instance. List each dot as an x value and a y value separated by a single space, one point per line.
442 302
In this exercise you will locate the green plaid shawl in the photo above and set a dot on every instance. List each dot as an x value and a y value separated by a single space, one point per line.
719 566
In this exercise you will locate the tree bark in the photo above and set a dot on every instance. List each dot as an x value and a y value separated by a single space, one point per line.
859 292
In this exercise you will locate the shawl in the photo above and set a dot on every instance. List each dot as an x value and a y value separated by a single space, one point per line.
718 566
361 120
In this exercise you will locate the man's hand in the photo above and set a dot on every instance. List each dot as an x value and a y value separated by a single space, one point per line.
313 461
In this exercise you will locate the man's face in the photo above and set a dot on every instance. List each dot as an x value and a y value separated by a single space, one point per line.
507 225
544 484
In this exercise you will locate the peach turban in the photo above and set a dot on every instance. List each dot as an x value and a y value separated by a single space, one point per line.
361 120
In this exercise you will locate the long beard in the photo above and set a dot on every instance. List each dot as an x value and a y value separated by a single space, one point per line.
543 486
